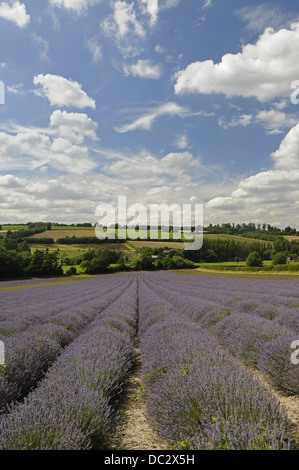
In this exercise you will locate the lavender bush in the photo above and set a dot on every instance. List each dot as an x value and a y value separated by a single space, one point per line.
198 397
275 362
247 322
30 352
71 408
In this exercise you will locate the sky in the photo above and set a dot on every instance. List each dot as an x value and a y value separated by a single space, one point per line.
161 101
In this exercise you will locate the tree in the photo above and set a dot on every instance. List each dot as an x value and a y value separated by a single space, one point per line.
181 263
279 258
254 259
11 264
23 246
44 263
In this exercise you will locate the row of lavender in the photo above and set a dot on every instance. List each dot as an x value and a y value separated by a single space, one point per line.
23 308
198 396
71 408
38 334
272 300
256 321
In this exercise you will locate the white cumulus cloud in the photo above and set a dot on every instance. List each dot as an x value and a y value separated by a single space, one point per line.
268 195
263 70
74 126
287 156
274 120
62 92
175 164
15 12
59 146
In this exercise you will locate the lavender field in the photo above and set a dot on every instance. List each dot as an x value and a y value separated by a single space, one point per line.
215 353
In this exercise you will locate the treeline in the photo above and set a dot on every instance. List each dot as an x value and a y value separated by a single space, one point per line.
252 230
21 263
156 259
98 261
40 241
213 251
17 261
217 250
149 259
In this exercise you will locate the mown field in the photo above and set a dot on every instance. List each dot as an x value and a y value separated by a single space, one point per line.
61 233
214 354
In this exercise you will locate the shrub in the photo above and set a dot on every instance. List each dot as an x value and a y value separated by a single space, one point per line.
41 241
254 259
279 258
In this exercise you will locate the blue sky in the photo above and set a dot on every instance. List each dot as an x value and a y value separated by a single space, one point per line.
163 101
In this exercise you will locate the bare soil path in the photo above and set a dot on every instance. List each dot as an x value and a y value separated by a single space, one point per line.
133 431
289 402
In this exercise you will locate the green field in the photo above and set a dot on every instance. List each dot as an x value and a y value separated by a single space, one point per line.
241 267
68 227
229 264
239 274
14 227
236 238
